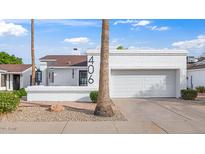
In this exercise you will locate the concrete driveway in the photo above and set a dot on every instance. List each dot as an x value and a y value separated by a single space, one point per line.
158 115
143 116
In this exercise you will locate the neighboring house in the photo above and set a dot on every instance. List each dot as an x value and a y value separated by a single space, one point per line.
196 74
191 59
14 76
133 74
64 70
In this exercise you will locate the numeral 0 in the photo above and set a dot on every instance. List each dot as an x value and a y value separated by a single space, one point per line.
90 69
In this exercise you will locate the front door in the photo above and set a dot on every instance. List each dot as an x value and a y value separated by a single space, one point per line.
82 78
16 82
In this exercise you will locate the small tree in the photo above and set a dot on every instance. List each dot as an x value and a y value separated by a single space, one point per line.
120 47
5 58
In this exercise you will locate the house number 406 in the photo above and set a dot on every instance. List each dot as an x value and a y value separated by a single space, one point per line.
90 70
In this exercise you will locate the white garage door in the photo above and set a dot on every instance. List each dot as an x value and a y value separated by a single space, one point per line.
143 83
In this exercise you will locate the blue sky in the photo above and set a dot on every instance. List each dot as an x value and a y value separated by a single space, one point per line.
61 36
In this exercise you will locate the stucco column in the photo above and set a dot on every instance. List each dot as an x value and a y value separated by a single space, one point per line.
21 81
11 81
7 82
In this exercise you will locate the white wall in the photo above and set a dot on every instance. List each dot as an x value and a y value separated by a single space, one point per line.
156 59
63 77
2 88
198 77
25 78
58 93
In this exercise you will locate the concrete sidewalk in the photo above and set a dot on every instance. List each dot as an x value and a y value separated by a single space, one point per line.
105 127
144 116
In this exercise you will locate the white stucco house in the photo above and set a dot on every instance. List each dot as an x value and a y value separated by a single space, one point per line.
133 74
64 70
196 74
14 76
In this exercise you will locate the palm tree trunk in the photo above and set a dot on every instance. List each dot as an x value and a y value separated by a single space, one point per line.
104 102
32 52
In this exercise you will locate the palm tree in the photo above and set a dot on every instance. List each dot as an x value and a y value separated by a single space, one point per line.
32 53
104 102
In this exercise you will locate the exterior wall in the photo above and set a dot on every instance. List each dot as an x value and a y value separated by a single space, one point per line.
197 77
63 77
25 78
61 93
124 59
1 88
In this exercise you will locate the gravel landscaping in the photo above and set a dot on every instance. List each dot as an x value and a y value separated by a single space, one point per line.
43 113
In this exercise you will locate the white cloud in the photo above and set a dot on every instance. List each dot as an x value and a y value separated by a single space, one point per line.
134 23
141 23
197 43
157 28
77 40
11 29
128 21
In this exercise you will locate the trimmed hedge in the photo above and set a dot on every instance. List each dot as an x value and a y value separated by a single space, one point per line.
93 96
200 89
20 92
8 102
188 94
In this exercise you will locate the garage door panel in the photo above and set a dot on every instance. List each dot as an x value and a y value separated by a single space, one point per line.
143 83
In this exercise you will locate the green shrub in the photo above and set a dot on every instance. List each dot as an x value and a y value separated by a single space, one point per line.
8 102
200 89
188 94
20 92
93 96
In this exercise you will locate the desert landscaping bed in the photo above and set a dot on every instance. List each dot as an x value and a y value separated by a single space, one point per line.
73 112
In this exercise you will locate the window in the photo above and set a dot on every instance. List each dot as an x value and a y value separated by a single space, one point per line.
73 73
51 77
82 78
3 80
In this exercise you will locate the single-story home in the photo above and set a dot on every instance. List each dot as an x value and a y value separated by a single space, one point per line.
64 70
196 74
132 74
14 76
